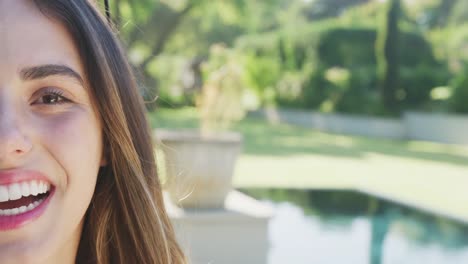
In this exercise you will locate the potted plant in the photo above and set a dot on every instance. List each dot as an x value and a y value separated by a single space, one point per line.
199 164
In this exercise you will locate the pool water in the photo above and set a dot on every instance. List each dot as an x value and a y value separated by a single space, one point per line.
348 227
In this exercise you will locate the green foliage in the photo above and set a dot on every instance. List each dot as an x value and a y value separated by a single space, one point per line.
388 50
293 55
360 96
167 91
415 50
459 14
317 54
315 90
417 82
351 47
455 45
262 73
320 9
342 90
259 44
360 16
333 47
289 90
458 101
347 47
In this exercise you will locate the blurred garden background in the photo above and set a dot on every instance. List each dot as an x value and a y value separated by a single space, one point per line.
351 56
219 65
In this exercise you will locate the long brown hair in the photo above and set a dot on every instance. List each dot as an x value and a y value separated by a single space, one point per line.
126 221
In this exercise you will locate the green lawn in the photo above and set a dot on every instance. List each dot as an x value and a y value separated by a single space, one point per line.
430 176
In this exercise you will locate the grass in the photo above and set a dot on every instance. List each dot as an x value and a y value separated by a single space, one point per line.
430 176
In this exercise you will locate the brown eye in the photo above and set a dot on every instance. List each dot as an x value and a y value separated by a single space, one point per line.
52 97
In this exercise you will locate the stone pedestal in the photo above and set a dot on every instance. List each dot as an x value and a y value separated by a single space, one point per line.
199 167
237 233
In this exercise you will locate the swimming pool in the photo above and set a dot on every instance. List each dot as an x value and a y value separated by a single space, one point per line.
312 226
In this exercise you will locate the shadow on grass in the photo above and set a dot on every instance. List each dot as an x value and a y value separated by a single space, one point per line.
285 140
261 138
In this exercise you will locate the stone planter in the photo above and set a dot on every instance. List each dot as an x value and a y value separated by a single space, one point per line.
199 169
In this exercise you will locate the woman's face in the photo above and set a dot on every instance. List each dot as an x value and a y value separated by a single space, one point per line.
50 138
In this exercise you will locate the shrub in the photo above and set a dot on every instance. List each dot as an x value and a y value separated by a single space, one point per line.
315 90
350 47
361 95
416 84
283 60
347 47
460 93
289 89
261 73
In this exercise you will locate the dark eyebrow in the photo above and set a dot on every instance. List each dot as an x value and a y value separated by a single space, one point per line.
44 71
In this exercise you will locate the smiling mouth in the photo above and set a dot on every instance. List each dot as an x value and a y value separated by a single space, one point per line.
23 197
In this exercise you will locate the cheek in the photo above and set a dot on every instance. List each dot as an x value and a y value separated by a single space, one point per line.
73 142
69 144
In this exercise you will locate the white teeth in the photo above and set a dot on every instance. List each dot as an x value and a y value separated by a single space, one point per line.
6 212
14 192
25 189
34 187
44 187
39 187
20 210
23 209
4 193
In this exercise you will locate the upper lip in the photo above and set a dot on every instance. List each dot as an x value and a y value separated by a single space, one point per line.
20 175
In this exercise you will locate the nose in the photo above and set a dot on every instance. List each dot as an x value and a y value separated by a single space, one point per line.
13 141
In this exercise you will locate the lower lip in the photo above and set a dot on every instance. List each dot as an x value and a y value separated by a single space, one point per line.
16 221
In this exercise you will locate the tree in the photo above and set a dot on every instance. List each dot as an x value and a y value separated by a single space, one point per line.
320 9
387 54
146 27
149 22
444 10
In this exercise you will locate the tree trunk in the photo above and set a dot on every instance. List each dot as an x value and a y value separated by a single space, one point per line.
389 61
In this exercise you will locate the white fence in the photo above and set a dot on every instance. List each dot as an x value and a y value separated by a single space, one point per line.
437 127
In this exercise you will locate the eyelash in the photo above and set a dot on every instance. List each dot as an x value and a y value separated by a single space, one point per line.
54 92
